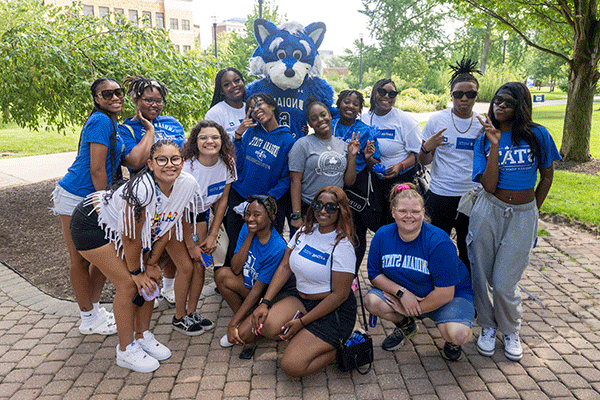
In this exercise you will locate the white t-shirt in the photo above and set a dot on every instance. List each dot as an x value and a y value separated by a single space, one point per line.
452 164
226 116
397 133
212 180
310 260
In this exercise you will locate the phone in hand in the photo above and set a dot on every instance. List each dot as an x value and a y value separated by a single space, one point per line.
299 314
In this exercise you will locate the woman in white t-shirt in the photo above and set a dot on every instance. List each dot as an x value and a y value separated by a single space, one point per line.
124 232
399 138
210 158
228 103
448 139
321 256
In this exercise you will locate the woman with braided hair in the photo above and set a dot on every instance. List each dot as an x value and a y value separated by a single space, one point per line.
448 139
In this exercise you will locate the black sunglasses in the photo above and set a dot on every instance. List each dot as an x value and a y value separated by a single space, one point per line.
458 94
330 208
109 93
509 102
162 160
391 94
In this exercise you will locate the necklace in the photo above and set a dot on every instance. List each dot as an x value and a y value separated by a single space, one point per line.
455 127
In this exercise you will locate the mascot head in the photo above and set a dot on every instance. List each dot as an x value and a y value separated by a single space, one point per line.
287 54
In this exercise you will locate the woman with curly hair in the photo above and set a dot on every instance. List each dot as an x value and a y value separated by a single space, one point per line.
503 223
323 312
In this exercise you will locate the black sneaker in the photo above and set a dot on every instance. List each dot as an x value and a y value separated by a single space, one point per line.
395 340
409 327
451 351
205 323
187 326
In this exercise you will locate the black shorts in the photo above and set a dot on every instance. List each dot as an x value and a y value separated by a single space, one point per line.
85 231
327 328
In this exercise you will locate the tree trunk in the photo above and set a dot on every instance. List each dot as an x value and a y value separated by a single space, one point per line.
487 43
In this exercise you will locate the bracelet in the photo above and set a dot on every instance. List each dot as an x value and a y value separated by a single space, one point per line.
302 322
136 272
403 166
425 151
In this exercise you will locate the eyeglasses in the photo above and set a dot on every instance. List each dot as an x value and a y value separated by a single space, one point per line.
212 137
330 208
509 102
158 102
109 93
391 94
403 213
162 160
458 94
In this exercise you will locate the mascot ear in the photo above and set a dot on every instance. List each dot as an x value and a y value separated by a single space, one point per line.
316 31
263 29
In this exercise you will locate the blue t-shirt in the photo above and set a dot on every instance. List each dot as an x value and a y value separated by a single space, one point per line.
165 127
345 133
429 261
263 259
97 129
262 162
518 169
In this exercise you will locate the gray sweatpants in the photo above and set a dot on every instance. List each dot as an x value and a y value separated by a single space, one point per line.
500 237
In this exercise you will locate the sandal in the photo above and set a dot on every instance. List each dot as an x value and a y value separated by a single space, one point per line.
106 314
103 327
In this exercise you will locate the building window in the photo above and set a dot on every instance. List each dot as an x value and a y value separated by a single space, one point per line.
147 15
103 11
186 48
185 24
160 20
133 16
174 23
119 19
88 10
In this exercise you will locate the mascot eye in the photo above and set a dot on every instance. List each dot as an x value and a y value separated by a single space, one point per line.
297 54
281 54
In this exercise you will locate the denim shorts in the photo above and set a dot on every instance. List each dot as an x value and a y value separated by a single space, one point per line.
64 202
459 310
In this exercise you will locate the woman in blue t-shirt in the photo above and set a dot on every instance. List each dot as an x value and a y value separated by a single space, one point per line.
96 166
503 222
416 273
257 255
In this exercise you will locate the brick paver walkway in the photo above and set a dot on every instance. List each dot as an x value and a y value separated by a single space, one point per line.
43 355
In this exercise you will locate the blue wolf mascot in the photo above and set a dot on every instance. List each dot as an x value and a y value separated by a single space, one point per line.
287 59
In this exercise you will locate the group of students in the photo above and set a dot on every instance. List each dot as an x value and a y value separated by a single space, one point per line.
239 167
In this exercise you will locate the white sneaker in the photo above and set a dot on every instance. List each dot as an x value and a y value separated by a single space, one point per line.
106 314
102 326
136 359
168 294
486 344
153 347
225 342
512 347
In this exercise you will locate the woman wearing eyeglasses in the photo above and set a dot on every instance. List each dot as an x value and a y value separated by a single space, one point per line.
124 231
322 314
448 139
398 135
503 223
96 166
416 273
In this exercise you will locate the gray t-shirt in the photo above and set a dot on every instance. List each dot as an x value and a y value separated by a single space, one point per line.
322 163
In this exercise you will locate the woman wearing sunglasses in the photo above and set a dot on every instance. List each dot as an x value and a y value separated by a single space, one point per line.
416 273
124 231
321 257
319 160
503 223
96 166
398 136
448 139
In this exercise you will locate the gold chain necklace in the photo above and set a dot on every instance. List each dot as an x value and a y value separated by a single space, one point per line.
456 127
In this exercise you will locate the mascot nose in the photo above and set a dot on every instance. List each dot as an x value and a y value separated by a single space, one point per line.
289 73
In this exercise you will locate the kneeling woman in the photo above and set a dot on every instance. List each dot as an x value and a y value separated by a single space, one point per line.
416 273
113 230
321 256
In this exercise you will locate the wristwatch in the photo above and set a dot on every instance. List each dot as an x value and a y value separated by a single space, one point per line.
266 302
400 292
425 151
295 217
136 272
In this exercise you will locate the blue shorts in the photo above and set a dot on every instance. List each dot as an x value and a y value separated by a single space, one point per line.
64 202
459 310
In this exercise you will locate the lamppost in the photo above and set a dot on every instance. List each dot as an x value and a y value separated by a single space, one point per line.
360 63
214 21
260 8
505 37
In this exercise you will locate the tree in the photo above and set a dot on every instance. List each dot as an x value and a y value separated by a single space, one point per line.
51 56
567 30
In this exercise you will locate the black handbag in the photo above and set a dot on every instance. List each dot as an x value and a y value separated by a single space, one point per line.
359 194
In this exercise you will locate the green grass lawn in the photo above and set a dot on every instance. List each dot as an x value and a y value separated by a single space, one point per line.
19 142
